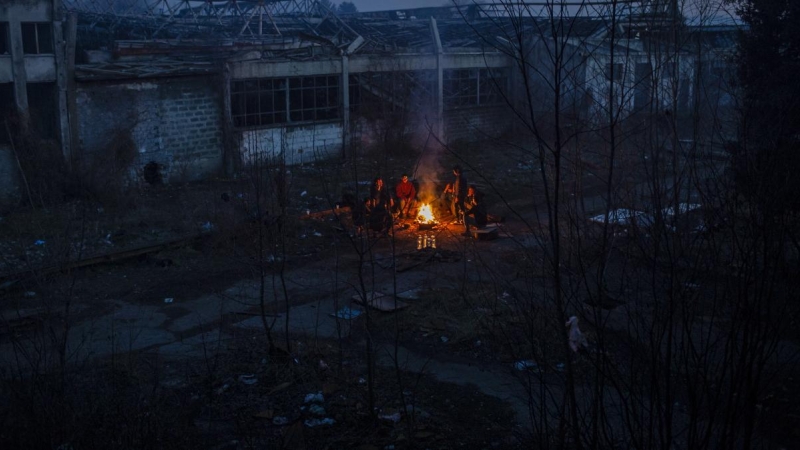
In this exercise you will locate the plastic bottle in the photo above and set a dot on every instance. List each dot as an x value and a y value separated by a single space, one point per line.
433 241
419 242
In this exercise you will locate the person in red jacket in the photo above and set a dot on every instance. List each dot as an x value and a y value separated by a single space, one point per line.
406 195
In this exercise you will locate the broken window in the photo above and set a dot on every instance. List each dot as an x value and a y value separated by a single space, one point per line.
4 47
313 98
270 101
460 87
474 87
493 85
37 38
257 102
392 91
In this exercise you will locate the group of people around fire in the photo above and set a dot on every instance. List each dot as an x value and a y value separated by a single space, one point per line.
378 210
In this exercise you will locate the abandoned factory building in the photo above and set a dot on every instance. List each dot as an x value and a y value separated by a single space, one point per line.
199 88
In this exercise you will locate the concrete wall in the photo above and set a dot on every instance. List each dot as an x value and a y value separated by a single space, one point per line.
297 144
26 10
176 123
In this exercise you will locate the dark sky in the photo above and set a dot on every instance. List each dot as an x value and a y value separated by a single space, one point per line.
384 5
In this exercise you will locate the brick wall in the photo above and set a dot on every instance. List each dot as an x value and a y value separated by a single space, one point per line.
297 144
477 123
175 122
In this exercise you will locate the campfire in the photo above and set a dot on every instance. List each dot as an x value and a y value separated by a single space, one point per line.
425 217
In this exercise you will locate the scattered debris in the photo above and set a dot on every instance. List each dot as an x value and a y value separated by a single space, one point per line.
381 302
207 227
445 339
222 388
280 421
314 398
317 234
362 381
395 417
323 365
525 364
30 294
316 410
303 194
560 367
411 294
39 242
248 379
169 300
347 313
311 423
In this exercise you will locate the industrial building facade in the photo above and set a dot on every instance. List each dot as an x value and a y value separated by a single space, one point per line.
283 79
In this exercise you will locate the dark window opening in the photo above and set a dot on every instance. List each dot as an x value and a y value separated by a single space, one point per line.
641 98
4 45
615 72
42 106
668 71
474 87
37 38
388 92
7 108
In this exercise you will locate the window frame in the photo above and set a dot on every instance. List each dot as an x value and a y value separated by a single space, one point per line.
470 91
294 100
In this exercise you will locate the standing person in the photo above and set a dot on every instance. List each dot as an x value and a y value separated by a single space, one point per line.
475 213
380 204
406 195
459 193
379 195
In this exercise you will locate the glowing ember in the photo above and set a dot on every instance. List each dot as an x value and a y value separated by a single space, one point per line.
425 214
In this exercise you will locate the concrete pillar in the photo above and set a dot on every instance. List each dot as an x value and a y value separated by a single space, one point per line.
345 104
64 131
72 88
18 68
439 128
230 162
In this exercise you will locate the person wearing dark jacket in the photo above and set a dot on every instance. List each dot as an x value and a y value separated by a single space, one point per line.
459 193
475 213
379 206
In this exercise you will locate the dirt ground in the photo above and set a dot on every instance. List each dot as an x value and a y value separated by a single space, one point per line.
167 346
234 392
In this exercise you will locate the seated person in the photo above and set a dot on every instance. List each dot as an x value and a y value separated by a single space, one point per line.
474 210
406 196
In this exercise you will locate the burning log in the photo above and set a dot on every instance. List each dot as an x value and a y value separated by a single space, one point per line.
425 217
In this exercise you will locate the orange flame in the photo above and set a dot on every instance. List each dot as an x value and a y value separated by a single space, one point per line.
425 214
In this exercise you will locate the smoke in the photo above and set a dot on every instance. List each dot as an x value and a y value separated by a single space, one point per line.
429 167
